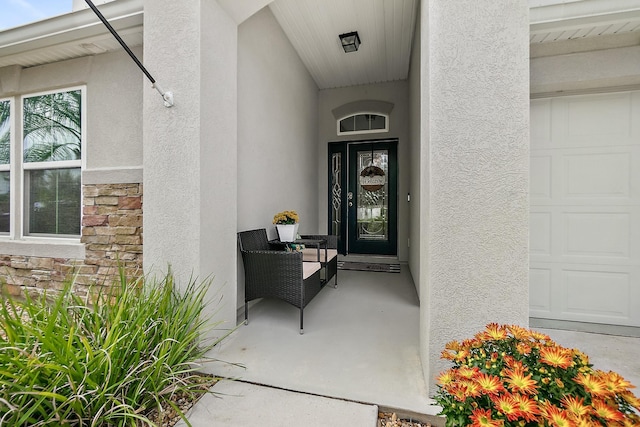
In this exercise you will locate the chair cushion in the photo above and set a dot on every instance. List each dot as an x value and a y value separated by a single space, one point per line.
311 254
309 268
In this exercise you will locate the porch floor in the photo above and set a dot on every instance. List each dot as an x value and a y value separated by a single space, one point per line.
360 343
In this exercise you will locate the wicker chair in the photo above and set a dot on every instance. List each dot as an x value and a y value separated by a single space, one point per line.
328 259
276 274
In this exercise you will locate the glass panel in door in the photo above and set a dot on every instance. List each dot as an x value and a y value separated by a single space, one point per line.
372 198
372 203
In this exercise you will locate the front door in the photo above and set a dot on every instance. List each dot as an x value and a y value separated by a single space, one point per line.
365 215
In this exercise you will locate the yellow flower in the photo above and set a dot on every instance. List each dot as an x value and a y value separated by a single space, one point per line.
575 405
556 356
490 384
593 384
607 412
286 217
519 382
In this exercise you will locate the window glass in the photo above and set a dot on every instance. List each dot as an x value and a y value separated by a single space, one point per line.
52 201
52 151
363 123
347 125
5 132
5 211
52 127
5 158
378 122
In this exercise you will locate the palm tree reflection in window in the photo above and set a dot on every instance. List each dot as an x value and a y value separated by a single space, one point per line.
52 127
5 150
52 133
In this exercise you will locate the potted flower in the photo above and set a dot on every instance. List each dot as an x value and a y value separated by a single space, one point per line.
515 377
287 225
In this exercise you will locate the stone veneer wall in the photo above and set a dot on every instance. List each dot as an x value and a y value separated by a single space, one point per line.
112 234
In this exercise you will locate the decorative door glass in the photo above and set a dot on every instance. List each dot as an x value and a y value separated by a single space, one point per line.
372 201
336 194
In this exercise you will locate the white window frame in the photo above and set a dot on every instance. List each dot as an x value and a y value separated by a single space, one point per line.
8 168
361 132
19 167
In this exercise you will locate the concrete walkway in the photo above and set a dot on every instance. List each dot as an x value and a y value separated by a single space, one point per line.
243 405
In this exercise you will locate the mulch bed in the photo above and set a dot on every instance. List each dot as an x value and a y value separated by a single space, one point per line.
389 419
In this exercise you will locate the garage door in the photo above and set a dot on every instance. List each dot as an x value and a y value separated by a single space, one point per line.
585 209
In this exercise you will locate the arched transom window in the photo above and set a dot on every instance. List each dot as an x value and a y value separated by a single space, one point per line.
363 123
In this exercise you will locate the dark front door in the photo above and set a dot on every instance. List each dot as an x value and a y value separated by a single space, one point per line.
365 215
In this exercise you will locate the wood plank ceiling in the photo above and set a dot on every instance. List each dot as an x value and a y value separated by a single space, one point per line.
385 27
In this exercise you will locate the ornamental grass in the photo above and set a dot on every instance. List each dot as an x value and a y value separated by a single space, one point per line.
64 362
515 377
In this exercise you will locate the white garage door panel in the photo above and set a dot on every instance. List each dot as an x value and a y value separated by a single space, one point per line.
540 115
541 176
605 235
593 121
590 294
585 208
540 292
597 175
540 237
590 235
585 176
584 293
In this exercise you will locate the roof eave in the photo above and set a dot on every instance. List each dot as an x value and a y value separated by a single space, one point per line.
74 26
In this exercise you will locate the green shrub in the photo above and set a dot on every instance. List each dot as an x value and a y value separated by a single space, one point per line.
66 363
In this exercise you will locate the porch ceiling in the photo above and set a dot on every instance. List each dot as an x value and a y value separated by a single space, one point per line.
385 28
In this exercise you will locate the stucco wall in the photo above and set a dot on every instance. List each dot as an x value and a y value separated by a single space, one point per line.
396 93
478 138
277 130
114 105
582 72
416 166
190 149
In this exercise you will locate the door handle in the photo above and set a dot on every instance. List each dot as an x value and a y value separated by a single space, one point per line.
350 204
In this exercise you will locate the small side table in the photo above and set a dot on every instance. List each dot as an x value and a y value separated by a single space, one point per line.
316 243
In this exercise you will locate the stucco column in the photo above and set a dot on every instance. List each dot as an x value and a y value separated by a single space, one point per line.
475 129
190 150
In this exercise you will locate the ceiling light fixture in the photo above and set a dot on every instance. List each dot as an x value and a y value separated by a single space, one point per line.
350 41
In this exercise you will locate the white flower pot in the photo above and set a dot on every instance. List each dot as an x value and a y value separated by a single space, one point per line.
287 232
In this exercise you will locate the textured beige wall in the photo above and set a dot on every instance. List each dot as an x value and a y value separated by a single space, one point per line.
396 93
190 150
417 168
277 128
277 131
114 103
477 87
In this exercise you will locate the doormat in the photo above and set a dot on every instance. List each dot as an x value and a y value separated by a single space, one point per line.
369 266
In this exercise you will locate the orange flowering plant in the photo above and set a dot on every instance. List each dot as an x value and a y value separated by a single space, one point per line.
515 377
